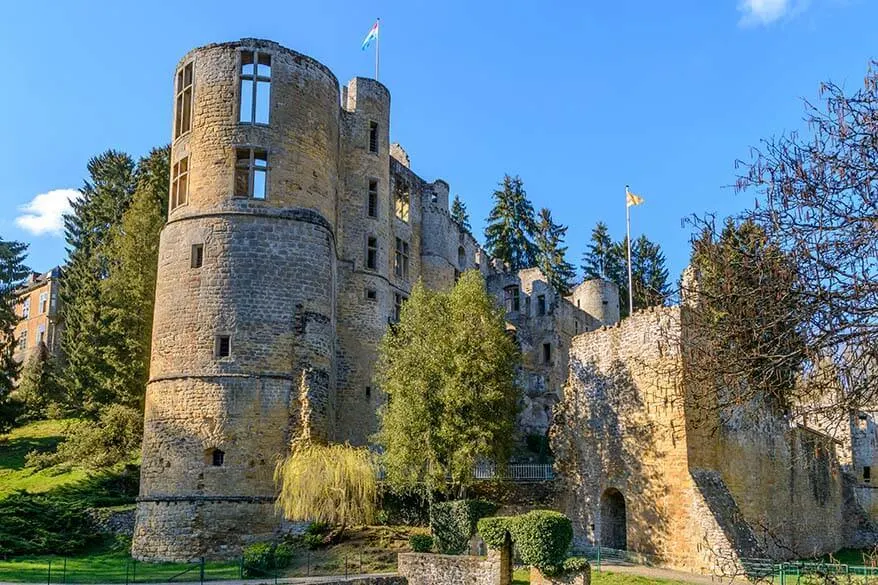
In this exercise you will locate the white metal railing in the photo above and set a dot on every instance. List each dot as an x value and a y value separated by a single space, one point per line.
519 472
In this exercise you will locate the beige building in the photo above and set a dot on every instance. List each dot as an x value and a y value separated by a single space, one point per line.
38 310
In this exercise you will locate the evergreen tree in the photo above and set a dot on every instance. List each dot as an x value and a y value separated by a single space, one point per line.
459 214
449 371
648 274
510 230
12 274
128 292
105 197
601 259
552 253
38 386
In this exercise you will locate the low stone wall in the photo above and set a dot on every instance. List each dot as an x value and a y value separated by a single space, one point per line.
537 578
430 569
394 580
116 522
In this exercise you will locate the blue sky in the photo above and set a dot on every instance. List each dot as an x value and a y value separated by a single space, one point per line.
578 98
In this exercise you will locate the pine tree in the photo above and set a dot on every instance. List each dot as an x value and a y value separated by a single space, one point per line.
649 274
105 197
12 274
128 292
510 230
552 253
600 260
459 214
38 386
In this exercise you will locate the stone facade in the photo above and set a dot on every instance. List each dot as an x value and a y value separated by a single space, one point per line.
38 308
295 232
648 468
432 569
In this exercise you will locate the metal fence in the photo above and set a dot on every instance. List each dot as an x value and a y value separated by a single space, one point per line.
517 472
808 573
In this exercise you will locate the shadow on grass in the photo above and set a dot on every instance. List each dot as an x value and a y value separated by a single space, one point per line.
14 450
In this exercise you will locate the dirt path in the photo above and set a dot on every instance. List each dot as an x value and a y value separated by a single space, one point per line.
659 573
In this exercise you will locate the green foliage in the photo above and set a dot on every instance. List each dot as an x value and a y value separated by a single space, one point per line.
459 214
263 557
283 554
600 260
552 253
38 387
449 371
410 509
12 274
453 523
335 484
542 538
39 524
315 535
511 226
421 543
575 565
494 529
114 438
648 274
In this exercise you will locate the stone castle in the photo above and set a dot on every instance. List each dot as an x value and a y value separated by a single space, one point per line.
295 232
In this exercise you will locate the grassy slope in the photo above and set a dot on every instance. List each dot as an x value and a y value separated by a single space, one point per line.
42 436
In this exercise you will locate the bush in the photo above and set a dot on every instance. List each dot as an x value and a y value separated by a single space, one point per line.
283 555
317 528
114 438
263 557
543 538
453 523
493 530
43 524
421 542
575 565
312 541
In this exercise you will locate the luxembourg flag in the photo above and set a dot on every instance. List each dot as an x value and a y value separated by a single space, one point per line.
373 34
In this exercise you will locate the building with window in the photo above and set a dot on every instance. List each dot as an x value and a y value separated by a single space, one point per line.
38 309
296 231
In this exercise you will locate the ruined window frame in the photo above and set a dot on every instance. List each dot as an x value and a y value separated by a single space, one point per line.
255 79
184 91
512 298
372 197
401 259
249 165
179 183
374 138
402 200
371 252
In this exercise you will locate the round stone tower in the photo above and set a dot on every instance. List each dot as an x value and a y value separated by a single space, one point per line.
245 296
599 298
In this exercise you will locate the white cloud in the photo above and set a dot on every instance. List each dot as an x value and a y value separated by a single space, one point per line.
44 214
763 12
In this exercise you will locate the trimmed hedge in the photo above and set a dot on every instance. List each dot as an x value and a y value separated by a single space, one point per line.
493 530
542 537
575 565
453 523
421 543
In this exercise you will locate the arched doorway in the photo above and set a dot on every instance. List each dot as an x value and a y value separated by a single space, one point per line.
614 532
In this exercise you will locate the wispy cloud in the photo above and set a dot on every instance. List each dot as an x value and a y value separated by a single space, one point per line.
44 214
763 12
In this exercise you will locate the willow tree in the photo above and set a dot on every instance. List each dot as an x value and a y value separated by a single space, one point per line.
448 370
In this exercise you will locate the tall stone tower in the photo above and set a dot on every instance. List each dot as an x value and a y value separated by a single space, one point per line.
245 300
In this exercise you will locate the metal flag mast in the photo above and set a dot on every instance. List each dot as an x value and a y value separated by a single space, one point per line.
377 46
628 240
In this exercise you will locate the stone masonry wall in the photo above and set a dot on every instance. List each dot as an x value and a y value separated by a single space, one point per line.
432 569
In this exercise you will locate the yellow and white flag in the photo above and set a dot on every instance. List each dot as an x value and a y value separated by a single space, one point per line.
631 199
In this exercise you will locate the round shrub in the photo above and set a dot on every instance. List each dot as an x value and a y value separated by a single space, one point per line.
257 558
421 542
493 530
575 565
283 555
543 538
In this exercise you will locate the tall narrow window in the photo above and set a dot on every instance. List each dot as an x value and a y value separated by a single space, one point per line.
398 300
223 346
867 474
511 299
255 87
41 334
183 123
251 172
401 260
22 341
180 183
401 198
372 253
547 353
25 308
44 302
541 305
373 136
197 259
461 257
372 204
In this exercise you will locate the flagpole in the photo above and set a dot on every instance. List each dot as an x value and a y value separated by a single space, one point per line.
377 47
628 240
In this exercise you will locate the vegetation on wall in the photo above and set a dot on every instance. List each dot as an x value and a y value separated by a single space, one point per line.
448 369
541 537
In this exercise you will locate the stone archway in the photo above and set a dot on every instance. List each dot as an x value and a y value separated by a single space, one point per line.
614 530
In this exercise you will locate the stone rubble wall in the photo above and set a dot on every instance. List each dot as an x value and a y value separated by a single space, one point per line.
433 569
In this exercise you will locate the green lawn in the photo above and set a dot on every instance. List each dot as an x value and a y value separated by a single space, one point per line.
522 577
42 436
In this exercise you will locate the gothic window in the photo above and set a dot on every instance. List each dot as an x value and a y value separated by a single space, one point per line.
197 259
372 201
183 110
255 87
401 261
251 172
180 183
372 253
511 299
373 136
402 200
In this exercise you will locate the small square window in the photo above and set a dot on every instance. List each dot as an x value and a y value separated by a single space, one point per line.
371 294
214 457
223 346
197 255
373 136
